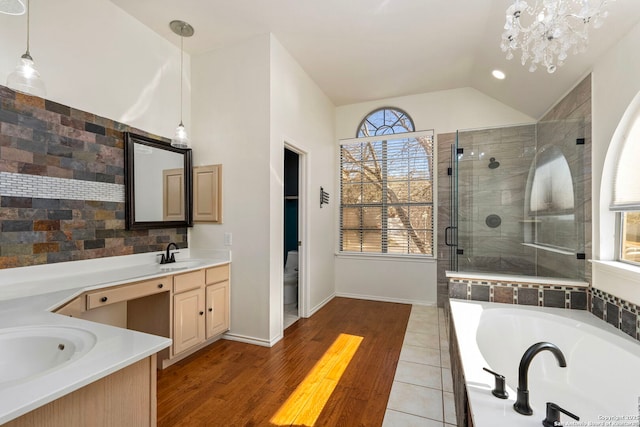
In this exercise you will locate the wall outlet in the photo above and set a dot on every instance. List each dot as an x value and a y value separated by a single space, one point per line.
227 239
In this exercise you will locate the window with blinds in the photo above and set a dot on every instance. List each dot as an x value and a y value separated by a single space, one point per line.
386 189
626 192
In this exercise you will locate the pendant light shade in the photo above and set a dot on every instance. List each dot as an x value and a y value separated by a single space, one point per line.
12 7
181 28
25 78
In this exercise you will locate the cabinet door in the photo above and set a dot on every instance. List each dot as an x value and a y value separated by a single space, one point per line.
173 195
188 319
207 193
217 308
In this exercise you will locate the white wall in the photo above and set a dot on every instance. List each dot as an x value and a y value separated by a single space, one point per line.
231 127
94 57
302 116
410 280
615 83
444 111
248 101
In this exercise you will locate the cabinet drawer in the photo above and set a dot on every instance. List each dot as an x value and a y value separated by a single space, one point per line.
126 292
217 274
187 281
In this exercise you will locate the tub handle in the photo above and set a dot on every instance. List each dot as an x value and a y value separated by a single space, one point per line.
499 389
553 415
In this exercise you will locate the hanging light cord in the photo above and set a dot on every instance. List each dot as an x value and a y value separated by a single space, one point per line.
181 54
27 53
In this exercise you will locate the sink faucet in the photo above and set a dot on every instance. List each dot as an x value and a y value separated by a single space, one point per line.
169 257
522 402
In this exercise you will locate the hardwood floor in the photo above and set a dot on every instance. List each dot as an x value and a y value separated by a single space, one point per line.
236 384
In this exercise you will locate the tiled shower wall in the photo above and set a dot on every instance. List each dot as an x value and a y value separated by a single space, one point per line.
500 249
485 193
62 186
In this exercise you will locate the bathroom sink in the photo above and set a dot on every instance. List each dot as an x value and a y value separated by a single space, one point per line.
181 265
31 351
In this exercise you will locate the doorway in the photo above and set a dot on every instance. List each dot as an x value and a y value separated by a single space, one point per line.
291 256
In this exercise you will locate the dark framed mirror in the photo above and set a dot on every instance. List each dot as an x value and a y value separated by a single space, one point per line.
157 184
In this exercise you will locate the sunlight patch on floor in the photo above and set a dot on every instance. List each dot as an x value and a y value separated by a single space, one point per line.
305 404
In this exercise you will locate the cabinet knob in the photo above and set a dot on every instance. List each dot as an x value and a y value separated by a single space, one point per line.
201 313
210 309
104 299
160 285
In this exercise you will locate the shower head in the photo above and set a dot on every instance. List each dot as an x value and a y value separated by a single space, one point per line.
493 164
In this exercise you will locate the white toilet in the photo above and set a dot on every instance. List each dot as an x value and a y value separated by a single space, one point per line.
291 278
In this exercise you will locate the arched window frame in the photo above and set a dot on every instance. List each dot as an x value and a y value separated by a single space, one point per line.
393 119
402 212
616 179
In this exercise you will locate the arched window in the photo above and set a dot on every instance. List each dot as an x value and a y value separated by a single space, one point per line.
385 121
626 190
386 187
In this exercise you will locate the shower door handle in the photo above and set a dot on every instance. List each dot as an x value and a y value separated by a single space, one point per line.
446 236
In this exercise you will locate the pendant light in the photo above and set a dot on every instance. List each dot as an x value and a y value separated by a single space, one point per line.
12 7
26 78
181 28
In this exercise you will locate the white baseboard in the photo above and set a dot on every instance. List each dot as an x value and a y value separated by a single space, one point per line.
252 340
321 304
385 299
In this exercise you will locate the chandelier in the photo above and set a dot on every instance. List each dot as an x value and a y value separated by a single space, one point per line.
547 29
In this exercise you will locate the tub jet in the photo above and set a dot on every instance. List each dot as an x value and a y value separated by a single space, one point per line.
493 164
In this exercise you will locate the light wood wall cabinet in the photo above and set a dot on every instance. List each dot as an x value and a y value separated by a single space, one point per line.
173 195
207 193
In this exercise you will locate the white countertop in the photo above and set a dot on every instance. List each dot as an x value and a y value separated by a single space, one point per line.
28 294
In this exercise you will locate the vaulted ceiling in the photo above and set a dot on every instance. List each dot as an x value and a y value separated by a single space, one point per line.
361 50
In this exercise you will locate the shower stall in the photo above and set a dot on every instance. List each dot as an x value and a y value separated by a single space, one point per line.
518 200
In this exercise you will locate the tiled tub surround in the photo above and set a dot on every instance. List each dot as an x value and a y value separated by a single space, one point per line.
62 186
28 294
520 290
496 335
546 292
617 312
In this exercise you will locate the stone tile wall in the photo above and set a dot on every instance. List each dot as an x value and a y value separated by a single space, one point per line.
62 186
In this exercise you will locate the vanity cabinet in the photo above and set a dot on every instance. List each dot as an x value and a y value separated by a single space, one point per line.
104 297
191 308
188 311
200 307
217 299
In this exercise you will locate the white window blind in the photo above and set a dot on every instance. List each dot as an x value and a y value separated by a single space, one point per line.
386 194
626 184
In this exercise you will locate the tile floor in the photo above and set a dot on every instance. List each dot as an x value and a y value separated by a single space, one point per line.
290 314
422 391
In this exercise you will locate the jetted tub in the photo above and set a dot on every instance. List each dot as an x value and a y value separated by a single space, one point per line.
601 383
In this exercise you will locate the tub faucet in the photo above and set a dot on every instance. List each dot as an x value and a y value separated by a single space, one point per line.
522 402
169 257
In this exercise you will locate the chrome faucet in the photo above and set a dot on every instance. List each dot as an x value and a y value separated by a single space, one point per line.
522 402
169 257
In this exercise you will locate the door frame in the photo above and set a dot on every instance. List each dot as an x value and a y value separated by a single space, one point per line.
303 231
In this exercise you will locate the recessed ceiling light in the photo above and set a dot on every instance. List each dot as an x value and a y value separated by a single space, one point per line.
498 74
